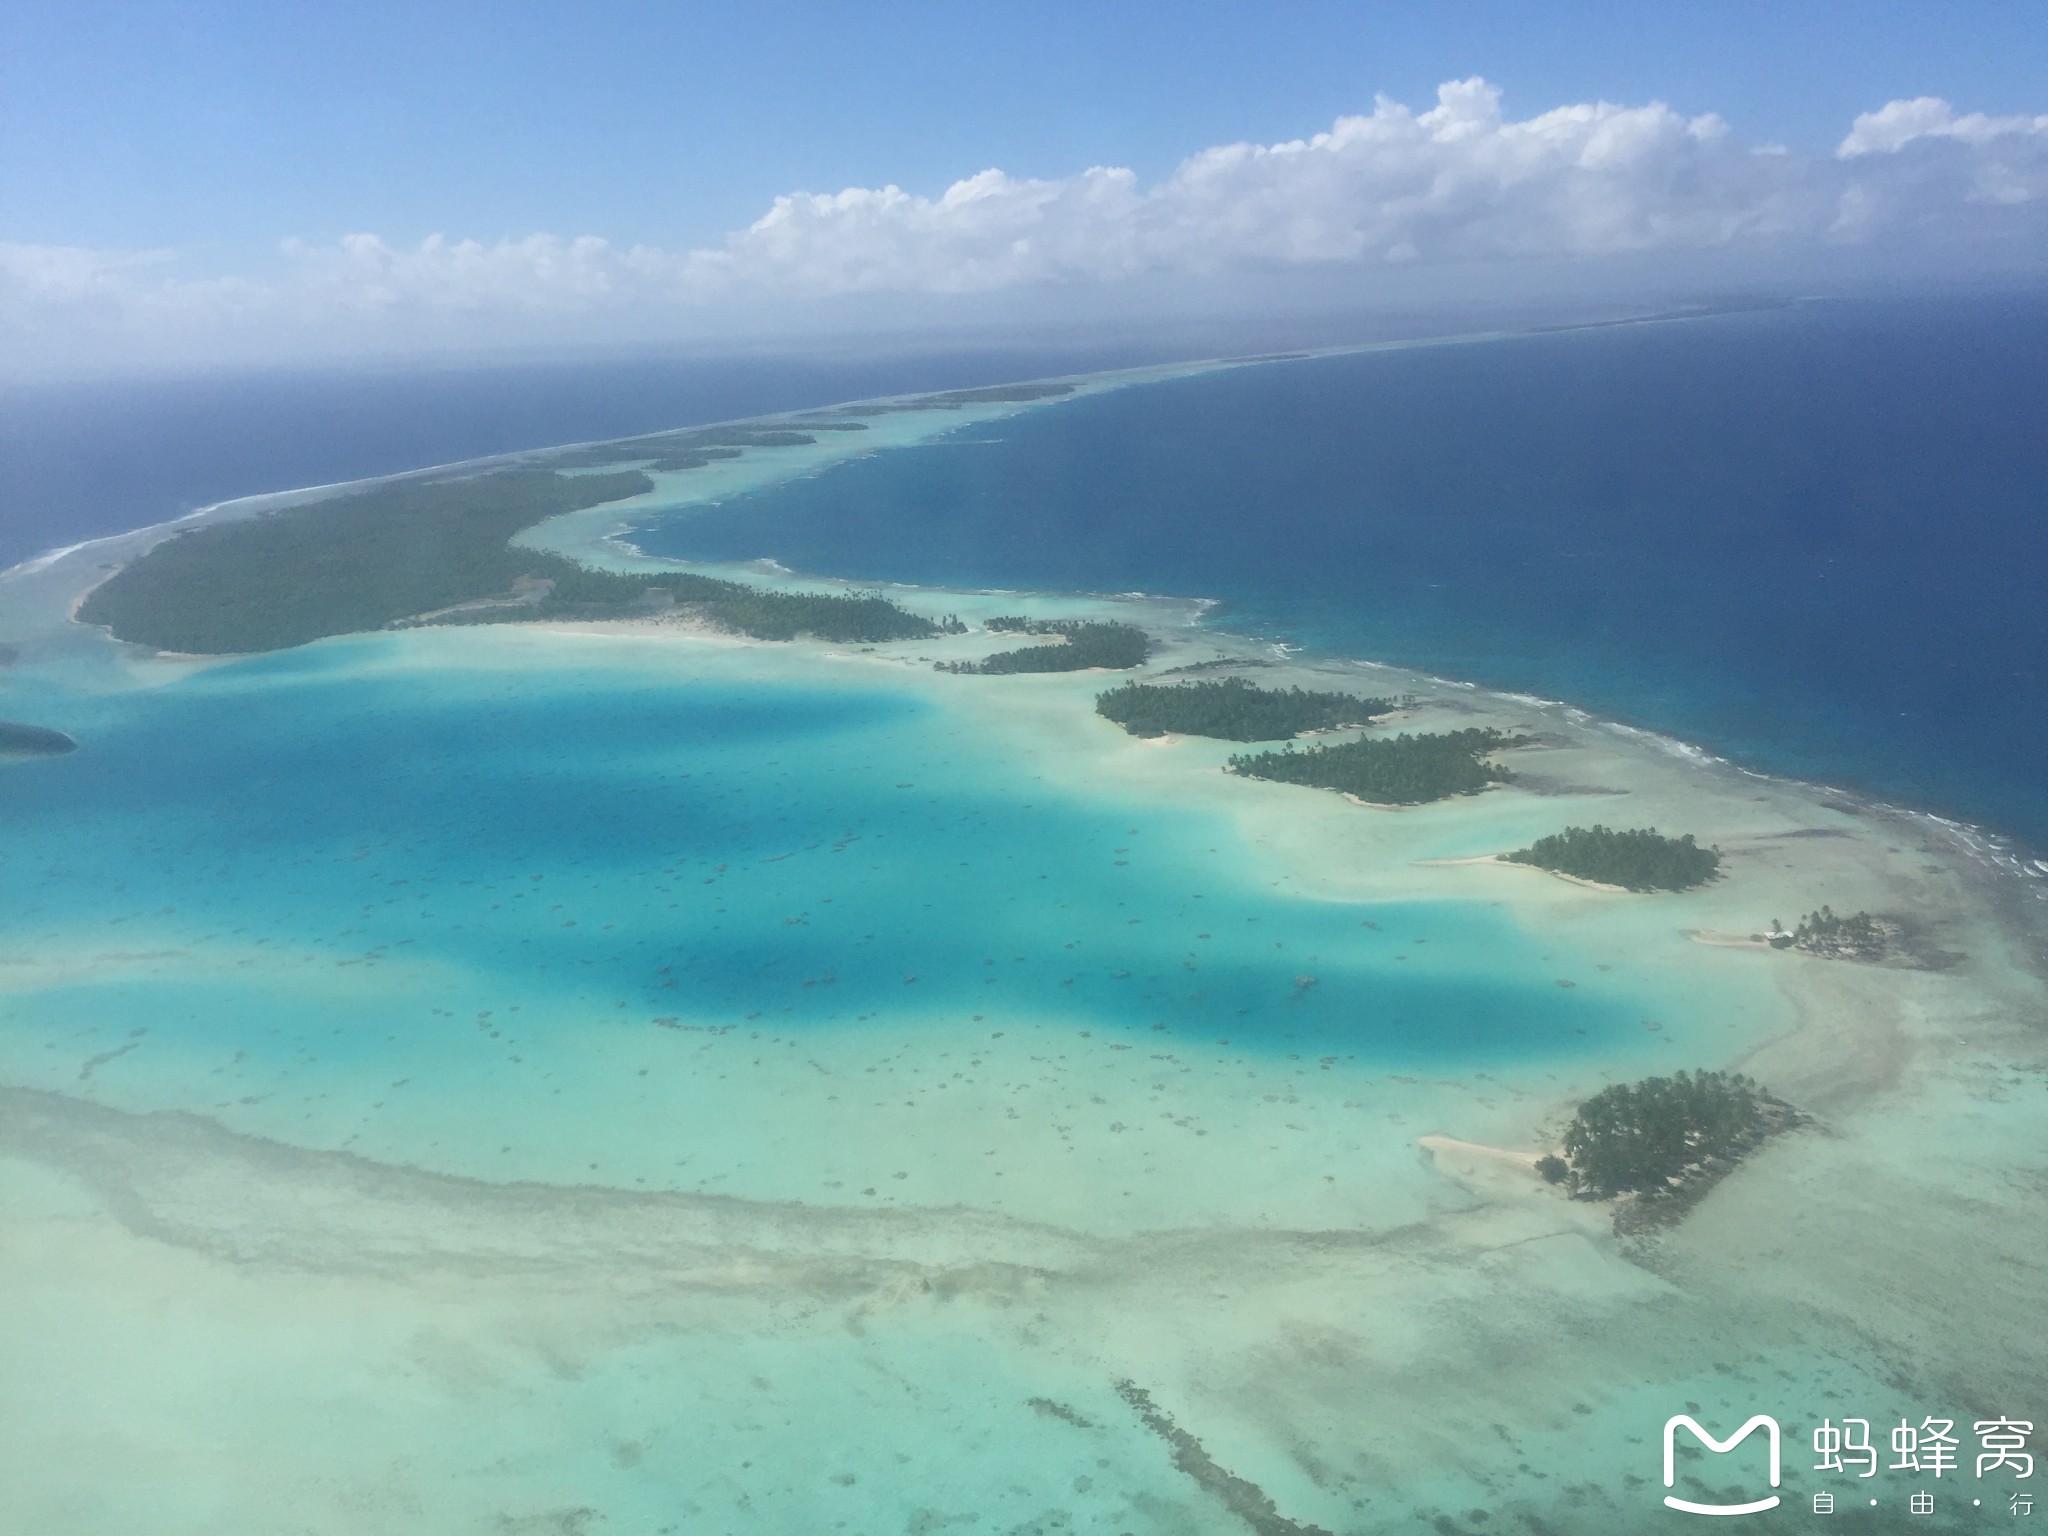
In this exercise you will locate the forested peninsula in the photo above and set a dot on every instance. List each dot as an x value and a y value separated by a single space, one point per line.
1087 643
1233 710
1403 770
433 551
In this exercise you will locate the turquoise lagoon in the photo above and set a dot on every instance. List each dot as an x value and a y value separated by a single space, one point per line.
526 906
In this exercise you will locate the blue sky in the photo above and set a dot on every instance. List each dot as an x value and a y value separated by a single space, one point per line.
179 144
243 123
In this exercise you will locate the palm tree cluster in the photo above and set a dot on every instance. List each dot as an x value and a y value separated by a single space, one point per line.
1640 859
1642 1136
1403 770
1233 709
1857 937
1089 643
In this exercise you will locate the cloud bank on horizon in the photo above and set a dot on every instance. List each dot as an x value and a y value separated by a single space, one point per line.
1458 188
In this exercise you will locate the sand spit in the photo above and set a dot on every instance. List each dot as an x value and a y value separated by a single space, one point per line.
1729 940
1474 1149
1505 862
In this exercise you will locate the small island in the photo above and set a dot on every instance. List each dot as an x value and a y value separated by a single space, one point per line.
1406 770
1663 1141
436 551
1085 644
1856 937
1234 710
1637 860
33 741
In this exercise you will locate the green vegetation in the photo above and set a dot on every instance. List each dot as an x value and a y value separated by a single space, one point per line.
1640 860
646 455
1644 1137
693 447
1858 937
997 394
1407 770
334 567
1089 643
1233 709
953 399
414 551
1217 663
865 618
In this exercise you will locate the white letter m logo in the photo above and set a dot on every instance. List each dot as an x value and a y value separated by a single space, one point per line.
1742 1434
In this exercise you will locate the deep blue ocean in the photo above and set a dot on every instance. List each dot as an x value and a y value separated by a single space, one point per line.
1809 538
80 460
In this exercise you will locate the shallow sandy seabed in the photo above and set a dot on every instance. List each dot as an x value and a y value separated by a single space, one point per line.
212 1329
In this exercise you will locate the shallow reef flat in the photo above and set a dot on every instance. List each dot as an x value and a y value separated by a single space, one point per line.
619 1076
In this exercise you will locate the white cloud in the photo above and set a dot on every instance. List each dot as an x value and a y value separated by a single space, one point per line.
1898 123
1457 182
68 274
1943 157
361 272
1458 187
